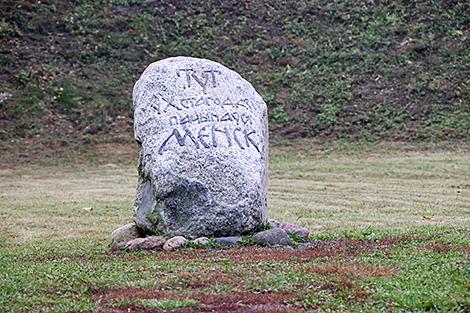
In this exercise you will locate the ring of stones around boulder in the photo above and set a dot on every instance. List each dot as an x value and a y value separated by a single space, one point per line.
122 235
272 237
148 243
292 229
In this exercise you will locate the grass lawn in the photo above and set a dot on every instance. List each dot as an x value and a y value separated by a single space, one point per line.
390 228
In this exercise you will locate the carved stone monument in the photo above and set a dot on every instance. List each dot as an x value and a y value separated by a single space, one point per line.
203 136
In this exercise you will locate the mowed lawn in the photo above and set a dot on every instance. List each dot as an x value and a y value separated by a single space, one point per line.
390 231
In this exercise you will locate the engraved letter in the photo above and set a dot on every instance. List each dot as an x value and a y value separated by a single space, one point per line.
241 103
203 84
188 77
238 129
201 136
225 131
214 82
180 139
156 105
169 104
195 118
199 102
227 102
185 120
226 117
187 102
236 117
248 139
246 118
203 118
214 117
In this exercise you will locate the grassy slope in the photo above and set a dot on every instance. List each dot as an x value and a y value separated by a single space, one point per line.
402 216
337 69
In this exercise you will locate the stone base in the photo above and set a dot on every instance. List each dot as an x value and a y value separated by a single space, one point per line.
129 238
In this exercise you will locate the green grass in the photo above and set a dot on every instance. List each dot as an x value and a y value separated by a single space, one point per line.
158 304
427 281
391 228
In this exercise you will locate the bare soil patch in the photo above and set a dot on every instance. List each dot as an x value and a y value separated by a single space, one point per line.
209 302
444 248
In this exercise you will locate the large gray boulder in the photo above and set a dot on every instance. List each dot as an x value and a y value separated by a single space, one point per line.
203 136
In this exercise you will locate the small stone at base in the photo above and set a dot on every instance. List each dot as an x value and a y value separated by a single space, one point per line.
300 231
228 241
147 243
175 243
272 237
122 235
201 241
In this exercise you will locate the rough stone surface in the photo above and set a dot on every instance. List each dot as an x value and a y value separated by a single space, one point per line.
300 231
228 241
272 237
147 243
175 243
203 138
201 241
122 235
